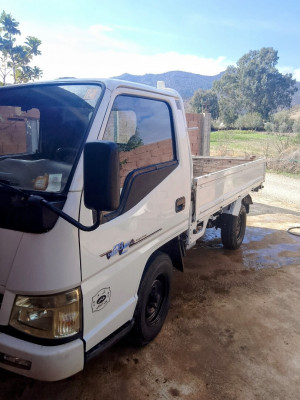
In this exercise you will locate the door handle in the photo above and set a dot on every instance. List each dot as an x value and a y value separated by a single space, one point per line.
180 204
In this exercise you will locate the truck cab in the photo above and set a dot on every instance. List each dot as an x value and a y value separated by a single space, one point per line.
95 194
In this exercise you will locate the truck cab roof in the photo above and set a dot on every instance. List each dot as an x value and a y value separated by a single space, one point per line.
110 84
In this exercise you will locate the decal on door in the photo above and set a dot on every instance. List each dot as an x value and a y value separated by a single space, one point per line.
100 299
122 247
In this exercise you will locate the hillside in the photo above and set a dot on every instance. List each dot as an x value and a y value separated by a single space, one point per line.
295 112
185 83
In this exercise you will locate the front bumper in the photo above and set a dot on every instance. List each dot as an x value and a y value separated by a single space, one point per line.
46 363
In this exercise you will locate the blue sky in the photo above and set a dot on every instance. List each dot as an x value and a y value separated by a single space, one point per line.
96 38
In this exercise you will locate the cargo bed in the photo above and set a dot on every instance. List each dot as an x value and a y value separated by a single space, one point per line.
219 182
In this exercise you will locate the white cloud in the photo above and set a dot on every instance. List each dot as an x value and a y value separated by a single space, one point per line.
100 51
103 37
107 63
96 29
290 70
296 74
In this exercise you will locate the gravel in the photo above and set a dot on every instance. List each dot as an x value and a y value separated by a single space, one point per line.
280 189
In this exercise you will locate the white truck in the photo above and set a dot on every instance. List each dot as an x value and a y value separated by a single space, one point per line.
99 200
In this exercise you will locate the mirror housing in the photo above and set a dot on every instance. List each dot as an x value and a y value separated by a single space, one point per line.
101 170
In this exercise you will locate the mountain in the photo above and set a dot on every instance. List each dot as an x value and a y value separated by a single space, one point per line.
185 83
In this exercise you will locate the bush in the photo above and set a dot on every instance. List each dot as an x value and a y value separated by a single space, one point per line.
249 121
289 161
284 127
216 125
296 126
282 122
268 126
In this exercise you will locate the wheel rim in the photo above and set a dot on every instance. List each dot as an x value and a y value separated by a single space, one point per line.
155 300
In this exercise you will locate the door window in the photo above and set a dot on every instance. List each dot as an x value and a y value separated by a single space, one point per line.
143 130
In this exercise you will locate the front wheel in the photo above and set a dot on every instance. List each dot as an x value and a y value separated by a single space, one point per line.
233 229
153 299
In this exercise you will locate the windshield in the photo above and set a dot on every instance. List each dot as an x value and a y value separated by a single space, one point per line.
42 129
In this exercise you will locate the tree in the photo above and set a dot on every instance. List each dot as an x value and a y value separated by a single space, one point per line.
254 86
15 59
228 95
26 74
205 101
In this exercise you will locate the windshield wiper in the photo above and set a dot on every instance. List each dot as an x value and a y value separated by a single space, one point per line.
39 200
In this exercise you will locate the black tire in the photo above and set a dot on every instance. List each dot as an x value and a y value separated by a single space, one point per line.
233 229
153 299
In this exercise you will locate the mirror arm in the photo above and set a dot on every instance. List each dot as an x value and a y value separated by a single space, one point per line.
38 200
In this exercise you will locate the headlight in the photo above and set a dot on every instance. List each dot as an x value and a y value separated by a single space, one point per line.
48 317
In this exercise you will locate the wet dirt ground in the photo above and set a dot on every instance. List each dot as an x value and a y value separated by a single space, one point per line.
232 332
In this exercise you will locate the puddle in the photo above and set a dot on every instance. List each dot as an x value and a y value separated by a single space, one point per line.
211 238
254 234
261 248
269 248
268 258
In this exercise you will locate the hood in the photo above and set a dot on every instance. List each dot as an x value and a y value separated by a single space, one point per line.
9 243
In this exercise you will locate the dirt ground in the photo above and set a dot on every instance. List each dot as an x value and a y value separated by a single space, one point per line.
233 330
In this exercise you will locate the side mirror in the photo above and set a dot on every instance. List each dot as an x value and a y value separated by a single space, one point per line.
101 168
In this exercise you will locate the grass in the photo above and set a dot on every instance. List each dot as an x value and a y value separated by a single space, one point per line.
274 146
240 143
288 174
238 135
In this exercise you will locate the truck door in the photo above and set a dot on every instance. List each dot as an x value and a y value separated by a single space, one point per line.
153 178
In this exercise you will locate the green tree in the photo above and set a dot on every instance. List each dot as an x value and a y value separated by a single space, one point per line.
205 101
254 86
229 98
15 59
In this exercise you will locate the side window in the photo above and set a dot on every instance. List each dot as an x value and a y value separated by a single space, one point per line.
142 128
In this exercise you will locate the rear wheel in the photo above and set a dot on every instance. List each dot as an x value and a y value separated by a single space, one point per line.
233 229
153 299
